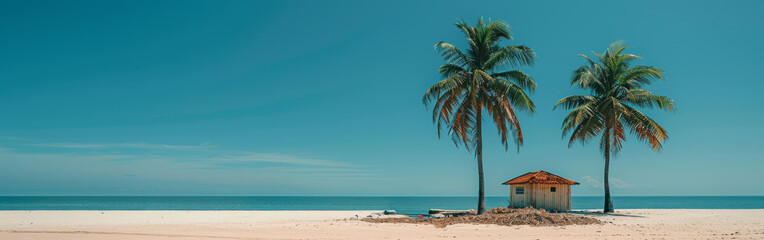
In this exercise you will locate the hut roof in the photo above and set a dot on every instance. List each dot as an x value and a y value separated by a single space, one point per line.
540 177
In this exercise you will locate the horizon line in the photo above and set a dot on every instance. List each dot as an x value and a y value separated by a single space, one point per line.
357 196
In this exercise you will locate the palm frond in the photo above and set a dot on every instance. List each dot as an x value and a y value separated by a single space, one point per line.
499 30
445 85
645 128
512 56
586 129
448 69
517 97
588 77
639 76
452 54
646 99
575 101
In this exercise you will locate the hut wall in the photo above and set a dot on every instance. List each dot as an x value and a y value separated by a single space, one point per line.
541 196
520 200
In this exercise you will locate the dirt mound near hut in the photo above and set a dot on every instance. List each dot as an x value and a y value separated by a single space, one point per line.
500 216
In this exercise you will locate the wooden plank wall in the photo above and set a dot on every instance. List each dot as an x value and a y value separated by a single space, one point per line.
541 196
520 200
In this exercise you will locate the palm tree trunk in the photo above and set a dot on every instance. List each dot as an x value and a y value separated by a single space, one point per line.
479 154
608 201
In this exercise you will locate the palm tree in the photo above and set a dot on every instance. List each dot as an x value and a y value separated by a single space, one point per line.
477 79
615 90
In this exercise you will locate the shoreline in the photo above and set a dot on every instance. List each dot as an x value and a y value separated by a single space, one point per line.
286 224
407 204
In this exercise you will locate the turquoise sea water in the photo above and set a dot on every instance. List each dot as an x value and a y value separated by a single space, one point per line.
413 205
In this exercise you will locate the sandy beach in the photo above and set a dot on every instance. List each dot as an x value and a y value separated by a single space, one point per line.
625 224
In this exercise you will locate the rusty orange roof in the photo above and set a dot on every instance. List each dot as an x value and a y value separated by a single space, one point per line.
540 177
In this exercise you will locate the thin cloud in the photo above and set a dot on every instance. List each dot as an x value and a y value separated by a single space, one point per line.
337 170
137 145
181 159
121 171
618 183
213 158
615 182
13 138
591 181
67 157
276 158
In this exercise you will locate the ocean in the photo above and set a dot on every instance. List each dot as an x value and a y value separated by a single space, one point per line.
408 205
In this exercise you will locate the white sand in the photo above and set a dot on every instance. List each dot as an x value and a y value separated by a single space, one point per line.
139 225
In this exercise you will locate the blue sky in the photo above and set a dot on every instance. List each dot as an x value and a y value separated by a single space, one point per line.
324 97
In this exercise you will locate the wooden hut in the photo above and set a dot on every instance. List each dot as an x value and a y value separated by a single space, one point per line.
541 190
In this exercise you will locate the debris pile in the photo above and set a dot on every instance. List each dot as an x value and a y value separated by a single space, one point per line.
500 216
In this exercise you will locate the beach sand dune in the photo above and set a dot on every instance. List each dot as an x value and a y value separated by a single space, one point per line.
139 225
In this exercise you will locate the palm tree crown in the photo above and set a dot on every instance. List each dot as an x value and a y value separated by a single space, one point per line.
474 80
477 79
615 90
